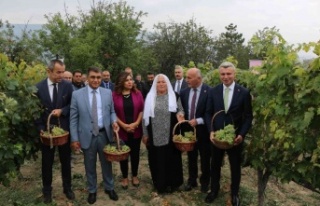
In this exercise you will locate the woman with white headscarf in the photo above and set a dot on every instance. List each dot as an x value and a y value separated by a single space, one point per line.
162 110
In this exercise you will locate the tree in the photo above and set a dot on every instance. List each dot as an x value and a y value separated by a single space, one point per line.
178 43
231 43
110 36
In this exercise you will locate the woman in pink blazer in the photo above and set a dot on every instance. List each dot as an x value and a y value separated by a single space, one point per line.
128 104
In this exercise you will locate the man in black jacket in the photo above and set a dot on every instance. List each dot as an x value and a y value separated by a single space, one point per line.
55 97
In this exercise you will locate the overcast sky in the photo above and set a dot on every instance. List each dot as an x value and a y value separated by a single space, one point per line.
297 20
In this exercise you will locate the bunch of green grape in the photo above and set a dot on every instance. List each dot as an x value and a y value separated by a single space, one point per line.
113 149
56 131
226 135
188 137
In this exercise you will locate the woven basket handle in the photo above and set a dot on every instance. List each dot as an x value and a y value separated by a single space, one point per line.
211 129
184 121
48 122
118 140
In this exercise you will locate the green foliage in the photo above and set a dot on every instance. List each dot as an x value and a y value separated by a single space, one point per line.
284 140
18 109
178 43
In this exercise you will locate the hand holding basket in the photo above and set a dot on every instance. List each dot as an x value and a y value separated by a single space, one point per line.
217 142
184 145
116 153
49 139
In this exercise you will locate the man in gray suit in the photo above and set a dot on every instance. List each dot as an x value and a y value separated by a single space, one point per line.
91 116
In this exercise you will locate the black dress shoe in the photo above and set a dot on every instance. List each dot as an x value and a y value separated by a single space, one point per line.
92 198
112 194
47 198
211 197
235 200
204 188
69 194
189 186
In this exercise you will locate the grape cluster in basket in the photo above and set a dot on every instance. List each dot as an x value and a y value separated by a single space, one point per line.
112 149
56 131
225 135
187 137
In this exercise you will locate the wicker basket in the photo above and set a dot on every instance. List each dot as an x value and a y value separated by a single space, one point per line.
51 140
183 146
117 157
218 143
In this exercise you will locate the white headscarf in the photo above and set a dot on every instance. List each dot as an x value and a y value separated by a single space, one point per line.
149 104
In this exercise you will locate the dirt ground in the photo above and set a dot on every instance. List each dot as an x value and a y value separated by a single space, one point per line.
276 194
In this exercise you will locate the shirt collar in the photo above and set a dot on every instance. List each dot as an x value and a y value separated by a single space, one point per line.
231 87
50 82
198 88
90 90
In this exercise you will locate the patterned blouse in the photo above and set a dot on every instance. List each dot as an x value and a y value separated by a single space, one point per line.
161 121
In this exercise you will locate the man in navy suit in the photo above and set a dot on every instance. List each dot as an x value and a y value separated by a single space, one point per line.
179 83
235 100
91 116
196 115
55 96
106 81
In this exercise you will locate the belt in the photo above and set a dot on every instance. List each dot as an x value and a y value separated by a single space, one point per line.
102 129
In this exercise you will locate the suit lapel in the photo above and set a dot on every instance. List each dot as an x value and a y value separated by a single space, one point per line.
85 97
186 99
220 99
235 95
203 93
46 91
60 90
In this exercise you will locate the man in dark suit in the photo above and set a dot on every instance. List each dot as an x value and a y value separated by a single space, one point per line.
91 116
148 84
179 83
106 81
55 96
235 100
194 100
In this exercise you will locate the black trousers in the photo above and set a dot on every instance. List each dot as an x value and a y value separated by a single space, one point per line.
47 162
234 155
134 144
202 147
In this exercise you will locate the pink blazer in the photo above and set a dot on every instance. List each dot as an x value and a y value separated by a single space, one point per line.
138 105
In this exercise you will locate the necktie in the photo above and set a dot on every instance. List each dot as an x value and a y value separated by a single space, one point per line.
193 104
178 86
55 95
94 114
226 99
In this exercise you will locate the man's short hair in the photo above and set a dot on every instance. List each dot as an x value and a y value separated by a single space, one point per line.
227 65
53 62
76 71
94 69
